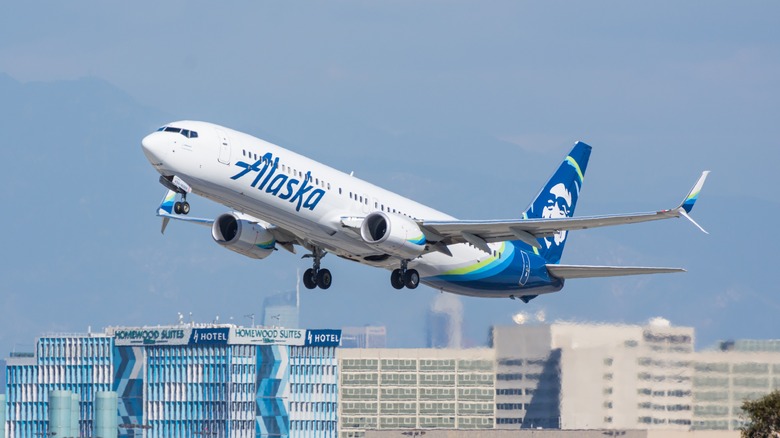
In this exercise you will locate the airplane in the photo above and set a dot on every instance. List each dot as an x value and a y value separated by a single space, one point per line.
280 199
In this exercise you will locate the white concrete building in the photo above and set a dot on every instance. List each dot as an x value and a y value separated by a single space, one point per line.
722 380
581 376
415 389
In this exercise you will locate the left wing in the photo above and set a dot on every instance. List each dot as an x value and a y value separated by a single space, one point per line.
165 211
284 238
479 233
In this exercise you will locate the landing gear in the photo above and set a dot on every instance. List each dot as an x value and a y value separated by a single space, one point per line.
404 277
314 276
182 207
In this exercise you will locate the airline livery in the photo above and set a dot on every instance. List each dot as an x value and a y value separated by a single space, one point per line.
280 199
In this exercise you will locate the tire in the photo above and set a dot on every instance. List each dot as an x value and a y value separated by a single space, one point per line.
397 279
185 208
324 279
177 207
309 279
412 278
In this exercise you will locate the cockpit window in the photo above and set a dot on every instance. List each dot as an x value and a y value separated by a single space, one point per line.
185 132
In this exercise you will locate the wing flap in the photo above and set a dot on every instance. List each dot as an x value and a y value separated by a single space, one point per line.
585 271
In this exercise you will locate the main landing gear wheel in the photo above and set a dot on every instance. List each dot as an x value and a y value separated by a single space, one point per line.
397 279
403 277
324 279
309 279
411 279
315 277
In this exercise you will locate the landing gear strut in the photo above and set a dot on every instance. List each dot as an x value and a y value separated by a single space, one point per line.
182 207
314 276
404 277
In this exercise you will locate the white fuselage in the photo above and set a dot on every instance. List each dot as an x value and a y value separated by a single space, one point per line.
212 165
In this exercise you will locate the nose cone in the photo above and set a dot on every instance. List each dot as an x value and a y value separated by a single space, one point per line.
153 148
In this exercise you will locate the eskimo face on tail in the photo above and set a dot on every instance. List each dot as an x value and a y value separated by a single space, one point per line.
558 206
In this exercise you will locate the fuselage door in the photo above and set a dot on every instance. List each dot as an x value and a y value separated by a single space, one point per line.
526 272
224 147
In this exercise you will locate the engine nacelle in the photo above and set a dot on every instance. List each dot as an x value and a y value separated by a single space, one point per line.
393 234
244 237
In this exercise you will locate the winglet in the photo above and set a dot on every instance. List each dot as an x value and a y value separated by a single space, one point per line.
687 205
166 205
693 195
166 208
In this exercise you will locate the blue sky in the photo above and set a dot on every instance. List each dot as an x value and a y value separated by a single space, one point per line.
466 106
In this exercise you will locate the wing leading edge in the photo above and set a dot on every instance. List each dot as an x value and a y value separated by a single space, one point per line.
529 230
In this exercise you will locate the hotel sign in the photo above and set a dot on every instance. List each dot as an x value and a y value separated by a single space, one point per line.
266 336
152 336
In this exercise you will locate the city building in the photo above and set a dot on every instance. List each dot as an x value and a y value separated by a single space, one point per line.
725 377
444 323
281 310
415 389
581 376
184 381
2 377
364 337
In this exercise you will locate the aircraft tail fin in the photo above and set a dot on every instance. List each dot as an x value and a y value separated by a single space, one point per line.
558 198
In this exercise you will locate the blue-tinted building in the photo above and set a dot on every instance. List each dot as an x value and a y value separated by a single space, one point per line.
185 381
81 365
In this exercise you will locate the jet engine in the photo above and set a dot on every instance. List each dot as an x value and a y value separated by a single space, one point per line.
242 236
393 234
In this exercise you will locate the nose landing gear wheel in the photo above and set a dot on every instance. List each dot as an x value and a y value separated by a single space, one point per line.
181 207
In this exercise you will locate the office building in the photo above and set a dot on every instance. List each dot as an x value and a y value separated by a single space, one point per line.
444 324
724 378
364 337
281 310
415 389
184 381
579 376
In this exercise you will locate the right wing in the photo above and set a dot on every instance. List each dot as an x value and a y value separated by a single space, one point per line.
479 233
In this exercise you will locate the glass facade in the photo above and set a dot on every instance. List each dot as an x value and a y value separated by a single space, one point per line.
81 365
176 382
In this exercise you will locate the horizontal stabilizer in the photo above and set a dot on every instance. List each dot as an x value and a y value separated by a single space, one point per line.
580 271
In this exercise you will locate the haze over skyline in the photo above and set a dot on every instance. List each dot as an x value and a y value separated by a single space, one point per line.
466 107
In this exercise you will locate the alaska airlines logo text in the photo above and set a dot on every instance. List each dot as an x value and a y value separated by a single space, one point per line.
304 195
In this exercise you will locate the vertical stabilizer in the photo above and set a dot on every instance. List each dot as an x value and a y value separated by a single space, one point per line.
558 198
